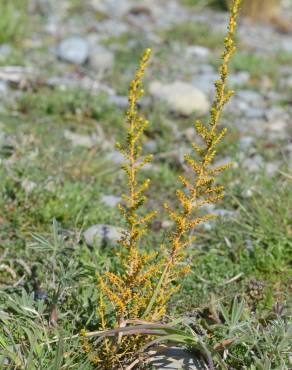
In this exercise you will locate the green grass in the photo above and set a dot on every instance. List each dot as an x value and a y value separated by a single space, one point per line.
254 245
13 21
67 181
256 65
220 4
66 273
194 33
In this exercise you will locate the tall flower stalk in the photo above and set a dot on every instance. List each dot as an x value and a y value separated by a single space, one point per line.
141 291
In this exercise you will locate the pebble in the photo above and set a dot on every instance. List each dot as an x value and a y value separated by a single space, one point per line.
181 97
277 125
121 101
175 358
286 82
28 186
112 8
254 164
238 79
115 157
3 87
246 142
256 113
224 213
151 146
78 139
275 112
272 168
101 59
5 51
101 235
198 52
249 96
110 200
73 50
205 81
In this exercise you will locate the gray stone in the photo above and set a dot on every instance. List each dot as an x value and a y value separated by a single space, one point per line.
3 87
28 186
254 164
73 50
78 139
205 81
112 27
101 59
224 213
286 82
249 245
175 358
181 97
198 52
110 200
101 235
115 157
120 101
222 162
5 51
253 112
113 8
277 125
249 96
246 142
272 168
151 145
238 79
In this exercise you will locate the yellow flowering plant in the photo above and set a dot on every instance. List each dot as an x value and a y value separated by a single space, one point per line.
140 293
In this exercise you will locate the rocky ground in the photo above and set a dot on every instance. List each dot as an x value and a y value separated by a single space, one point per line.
65 67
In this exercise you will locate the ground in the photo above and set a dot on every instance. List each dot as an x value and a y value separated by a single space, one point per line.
60 116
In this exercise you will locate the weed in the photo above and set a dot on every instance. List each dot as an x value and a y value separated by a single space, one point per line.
13 21
191 33
149 279
254 64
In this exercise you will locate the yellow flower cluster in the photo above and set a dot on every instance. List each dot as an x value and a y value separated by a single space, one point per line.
143 288
201 189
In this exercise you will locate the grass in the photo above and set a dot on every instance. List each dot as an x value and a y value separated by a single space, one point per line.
14 20
255 244
252 246
220 4
191 33
48 288
256 65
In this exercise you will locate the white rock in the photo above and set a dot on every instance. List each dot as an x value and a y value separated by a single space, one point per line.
224 213
246 142
113 8
254 164
175 358
101 235
5 51
238 79
182 97
277 125
110 200
3 87
198 51
115 157
151 145
101 59
78 139
73 50
272 168
28 186
121 101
